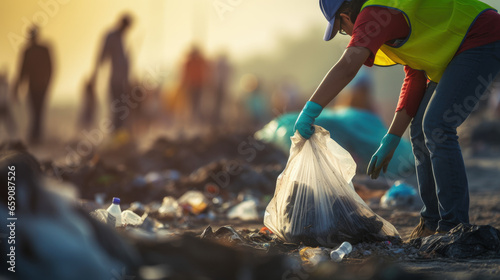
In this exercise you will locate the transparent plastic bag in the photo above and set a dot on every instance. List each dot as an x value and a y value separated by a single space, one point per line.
315 202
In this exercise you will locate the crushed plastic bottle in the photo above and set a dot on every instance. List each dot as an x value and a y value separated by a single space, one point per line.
194 202
245 211
131 218
114 210
338 254
170 208
103 216
313 256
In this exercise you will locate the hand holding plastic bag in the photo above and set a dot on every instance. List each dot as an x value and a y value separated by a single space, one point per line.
315 202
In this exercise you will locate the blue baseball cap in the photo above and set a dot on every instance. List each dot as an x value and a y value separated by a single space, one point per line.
329 9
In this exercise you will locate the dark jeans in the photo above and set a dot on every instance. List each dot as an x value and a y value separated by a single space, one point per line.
441 176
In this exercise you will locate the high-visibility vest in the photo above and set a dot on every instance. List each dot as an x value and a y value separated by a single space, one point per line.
437 29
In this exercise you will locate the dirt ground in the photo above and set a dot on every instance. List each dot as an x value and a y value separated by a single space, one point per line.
484 178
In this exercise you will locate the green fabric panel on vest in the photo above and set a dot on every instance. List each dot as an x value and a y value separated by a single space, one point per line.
437 29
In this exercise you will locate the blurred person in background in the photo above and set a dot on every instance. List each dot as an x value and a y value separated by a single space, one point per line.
285 97
256 102
358 93
119 88
455 43
87 115
221 75
36 69
5 113
194 82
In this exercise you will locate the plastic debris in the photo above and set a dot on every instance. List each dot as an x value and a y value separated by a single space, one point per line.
131 218
313 256
400 195
114 210
170 208
463 241
104 217
245 211
194 202
338 254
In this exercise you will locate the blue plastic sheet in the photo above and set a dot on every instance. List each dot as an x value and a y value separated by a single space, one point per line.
357 131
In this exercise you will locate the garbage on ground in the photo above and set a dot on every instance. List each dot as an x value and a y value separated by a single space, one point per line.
130 218
245 211
169 167
401 195
314 256
59 241
170 208
338 254
357 131
171 248
463 241
314 202
194 202
115 211
229 235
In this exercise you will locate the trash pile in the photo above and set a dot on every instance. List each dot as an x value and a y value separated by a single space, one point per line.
169 168
168 237
463 241
401 196
315 202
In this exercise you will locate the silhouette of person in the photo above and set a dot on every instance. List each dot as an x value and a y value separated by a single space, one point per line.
89 105
194 81
222 72
113 50
5 114
36 67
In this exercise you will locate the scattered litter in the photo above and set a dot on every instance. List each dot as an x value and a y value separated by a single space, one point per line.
463 241
170 209
401 195
313 256
245 211
338 254
194 202
115 211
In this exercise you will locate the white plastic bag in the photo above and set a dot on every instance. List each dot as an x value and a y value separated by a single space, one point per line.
315 202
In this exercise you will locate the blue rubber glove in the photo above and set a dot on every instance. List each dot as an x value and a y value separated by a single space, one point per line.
305 121
383 155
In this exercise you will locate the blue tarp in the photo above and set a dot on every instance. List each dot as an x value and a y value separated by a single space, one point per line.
357 131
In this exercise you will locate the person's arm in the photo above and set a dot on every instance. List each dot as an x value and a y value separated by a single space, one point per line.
340 75
105 51
23 74
411 95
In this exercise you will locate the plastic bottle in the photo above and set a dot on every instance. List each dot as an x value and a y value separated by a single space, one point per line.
131 218
338 254
114 209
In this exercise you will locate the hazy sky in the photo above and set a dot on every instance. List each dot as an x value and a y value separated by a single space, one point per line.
162 30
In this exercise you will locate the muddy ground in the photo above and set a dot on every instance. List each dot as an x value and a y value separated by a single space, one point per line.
484 176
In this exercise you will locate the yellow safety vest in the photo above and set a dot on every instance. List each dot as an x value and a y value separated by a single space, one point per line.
437 29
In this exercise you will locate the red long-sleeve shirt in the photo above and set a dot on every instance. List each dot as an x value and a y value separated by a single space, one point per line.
374 27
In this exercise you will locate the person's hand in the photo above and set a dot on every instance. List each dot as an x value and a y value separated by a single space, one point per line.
305 121
380 160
